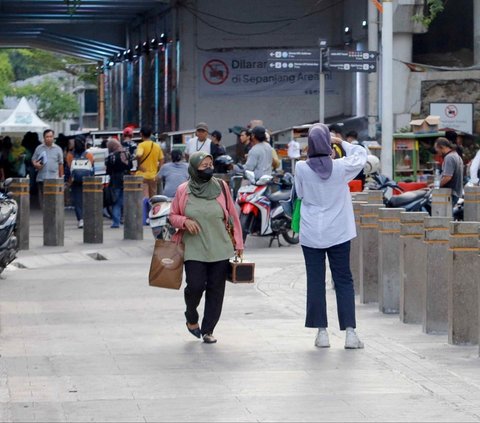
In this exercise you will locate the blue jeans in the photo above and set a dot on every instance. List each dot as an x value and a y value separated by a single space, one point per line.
339 259
117 207
77 200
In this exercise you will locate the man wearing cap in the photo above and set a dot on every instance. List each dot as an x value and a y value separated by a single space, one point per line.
127 140
261 155
199 143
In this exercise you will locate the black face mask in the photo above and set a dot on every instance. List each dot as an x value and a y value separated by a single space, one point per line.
205 175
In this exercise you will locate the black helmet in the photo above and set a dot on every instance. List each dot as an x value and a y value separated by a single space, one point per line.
224 160
223 163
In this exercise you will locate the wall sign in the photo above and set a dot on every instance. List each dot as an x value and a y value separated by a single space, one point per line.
249 73
458 116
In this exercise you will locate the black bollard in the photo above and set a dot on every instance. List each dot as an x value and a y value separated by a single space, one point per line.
20 190
92 210
53 212
133 207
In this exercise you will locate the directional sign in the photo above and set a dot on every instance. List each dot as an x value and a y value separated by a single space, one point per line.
293 60
351 61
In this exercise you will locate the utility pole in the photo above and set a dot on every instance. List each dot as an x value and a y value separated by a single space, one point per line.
372 77
322 88
387 89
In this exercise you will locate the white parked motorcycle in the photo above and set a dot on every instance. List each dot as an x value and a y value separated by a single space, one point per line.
158 217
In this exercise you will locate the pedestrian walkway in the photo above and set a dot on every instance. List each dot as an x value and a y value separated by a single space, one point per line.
74 249
90 341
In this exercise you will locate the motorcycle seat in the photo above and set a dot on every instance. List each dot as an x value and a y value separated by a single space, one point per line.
278 196
406 198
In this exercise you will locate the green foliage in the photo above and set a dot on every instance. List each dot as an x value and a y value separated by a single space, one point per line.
54 104
6 75
433 9
72 5
27 63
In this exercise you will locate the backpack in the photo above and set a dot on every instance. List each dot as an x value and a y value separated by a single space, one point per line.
80 168
114 162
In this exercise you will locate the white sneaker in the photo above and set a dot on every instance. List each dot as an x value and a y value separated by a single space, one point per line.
80 224
352 342
322 340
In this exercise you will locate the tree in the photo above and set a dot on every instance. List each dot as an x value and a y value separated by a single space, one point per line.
53 103
6 75
432 9
27 63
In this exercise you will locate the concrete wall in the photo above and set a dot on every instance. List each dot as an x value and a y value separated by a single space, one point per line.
428 87
280 111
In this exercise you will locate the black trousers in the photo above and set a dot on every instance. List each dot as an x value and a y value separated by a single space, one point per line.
339 258
209 278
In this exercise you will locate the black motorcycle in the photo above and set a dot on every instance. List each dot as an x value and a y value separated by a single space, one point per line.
8 225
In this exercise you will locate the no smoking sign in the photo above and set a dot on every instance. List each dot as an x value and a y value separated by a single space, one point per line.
215 72
451 111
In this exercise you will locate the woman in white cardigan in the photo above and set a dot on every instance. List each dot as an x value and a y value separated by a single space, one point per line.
327 226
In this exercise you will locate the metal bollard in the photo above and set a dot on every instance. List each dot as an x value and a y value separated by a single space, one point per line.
464 268
412 266
435 307
389 261
355 247
20 190
133 207
92 210
369 253
442 202
472 204
53 212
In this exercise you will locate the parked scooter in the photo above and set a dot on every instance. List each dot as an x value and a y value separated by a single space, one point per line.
263 210
158 217
8 224
412 201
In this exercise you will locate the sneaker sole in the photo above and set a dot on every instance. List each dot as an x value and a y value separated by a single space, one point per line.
355 348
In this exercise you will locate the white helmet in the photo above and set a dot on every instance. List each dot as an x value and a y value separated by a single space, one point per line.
372 165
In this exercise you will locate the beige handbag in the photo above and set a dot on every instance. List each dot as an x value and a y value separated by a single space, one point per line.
166 269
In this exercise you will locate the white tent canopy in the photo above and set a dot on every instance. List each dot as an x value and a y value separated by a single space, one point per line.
23 119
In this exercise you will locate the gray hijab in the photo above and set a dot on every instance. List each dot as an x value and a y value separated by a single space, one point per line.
320 150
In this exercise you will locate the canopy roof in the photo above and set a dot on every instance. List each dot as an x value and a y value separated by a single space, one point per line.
93 29
22 120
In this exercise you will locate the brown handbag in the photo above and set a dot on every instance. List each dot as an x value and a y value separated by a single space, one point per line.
166 269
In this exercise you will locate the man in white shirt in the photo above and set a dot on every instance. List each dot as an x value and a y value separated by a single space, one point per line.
200 142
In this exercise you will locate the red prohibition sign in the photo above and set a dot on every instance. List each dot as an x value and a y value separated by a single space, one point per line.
451 111
215 72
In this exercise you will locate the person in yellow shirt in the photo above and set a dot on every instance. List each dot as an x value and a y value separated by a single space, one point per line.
150 159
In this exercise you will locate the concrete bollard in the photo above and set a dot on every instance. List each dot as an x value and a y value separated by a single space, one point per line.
92 210
472 204
369 253
355 247
53 212
435 307
389 261
412 266
464 271
360 196
20 190
375 197
133 207
442 202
